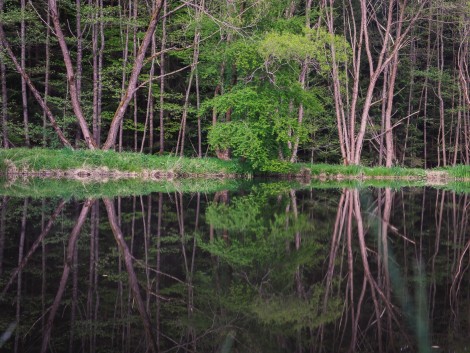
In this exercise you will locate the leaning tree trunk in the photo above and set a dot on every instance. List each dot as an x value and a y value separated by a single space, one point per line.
71 77
34 91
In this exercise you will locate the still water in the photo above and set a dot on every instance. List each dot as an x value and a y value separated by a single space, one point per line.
269 267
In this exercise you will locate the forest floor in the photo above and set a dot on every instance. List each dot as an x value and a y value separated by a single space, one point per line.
103 165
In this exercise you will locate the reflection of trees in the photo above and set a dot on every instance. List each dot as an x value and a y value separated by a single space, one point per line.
364 287
65 274
273 254
336 270
130 271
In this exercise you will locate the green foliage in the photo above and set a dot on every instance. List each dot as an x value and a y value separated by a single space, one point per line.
244 140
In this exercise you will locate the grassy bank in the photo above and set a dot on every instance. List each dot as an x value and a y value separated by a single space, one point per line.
109 163
86 164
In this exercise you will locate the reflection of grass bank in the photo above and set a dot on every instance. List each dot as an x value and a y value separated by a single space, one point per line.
45 188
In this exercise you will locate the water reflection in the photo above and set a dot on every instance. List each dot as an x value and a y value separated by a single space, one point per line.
268 269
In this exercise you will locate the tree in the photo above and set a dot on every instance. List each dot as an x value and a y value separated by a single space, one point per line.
352 113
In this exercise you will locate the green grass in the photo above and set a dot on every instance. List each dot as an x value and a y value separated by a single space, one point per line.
37 159
459 171
358 170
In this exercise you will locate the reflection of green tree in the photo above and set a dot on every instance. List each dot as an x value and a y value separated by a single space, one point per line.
257 259
288 314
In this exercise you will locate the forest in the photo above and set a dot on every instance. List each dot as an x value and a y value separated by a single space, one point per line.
371 82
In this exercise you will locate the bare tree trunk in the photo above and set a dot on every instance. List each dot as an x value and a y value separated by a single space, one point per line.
47 74
197 36
79 36
162 80
464 79
384 110
350 135
134 51
410 95
440 64
389 150
151 98
24 96
125 55
100 75
199 127
458 131
302 80
94 45
3 78
71 77
300 116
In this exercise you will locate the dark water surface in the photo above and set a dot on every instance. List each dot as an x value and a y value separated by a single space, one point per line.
263 269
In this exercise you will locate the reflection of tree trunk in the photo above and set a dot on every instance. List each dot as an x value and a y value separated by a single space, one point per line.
147 232
332 258
65 274
297 239
349 208
74 299
222 197
383 241
367 272
35 245
157 289
118 235
2 230
19 281
460 265
43 269
349 222
438 219
92 296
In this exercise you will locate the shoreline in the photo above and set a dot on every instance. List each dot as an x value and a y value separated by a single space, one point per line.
103 174
100 166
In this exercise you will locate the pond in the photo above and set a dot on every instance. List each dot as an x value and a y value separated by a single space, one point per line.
255 267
